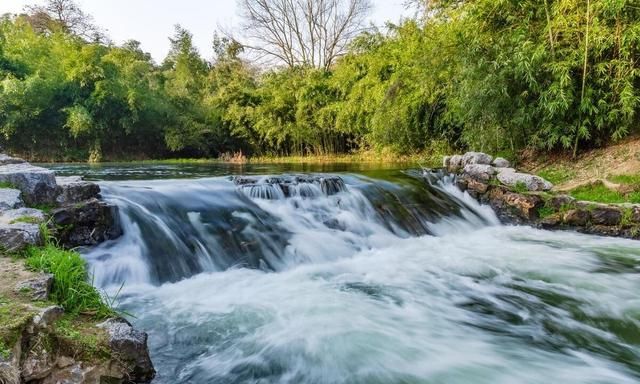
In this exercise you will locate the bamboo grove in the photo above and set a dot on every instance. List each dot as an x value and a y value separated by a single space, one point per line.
492 75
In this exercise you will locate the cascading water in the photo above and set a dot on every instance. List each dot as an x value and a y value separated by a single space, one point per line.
353 279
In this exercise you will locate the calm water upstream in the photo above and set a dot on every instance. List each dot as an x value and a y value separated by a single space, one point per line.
348 274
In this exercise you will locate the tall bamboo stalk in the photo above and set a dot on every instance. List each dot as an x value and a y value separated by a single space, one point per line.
584 79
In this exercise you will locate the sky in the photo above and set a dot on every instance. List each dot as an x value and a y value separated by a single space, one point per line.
152 21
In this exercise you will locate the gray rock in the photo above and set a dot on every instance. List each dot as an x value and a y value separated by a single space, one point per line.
87 223
38 288
130 345
510 178
577 217
606 216
47 317
500 162
73 190
18 236
476 158
9 373
455 164
37 364
479 172
37 184
6 159
10 199
22 215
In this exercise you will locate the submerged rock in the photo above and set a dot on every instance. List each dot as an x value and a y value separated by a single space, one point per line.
37 184
87 223
130 346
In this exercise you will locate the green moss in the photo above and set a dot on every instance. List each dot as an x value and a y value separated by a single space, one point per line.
26 219
46 208
5 352
82 339
71 289
6 184
13 319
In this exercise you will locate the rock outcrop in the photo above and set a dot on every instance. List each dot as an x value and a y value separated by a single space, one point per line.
89 222
32 347
79 218
521 198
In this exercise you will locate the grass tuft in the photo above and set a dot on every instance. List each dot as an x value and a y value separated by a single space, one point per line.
71 288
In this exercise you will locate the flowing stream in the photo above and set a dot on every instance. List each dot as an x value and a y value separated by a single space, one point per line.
327 276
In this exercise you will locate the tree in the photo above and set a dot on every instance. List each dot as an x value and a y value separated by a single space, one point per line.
65 15
309 33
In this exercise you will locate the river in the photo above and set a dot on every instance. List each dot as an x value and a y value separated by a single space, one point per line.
353 274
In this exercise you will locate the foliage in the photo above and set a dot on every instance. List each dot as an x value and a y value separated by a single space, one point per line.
72 288
492 75
600 193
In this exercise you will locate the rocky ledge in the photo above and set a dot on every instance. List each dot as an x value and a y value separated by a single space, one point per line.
38 344
77 215
521 198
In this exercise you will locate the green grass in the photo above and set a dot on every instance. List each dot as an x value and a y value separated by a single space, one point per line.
71 289
599 193
626 179
557 174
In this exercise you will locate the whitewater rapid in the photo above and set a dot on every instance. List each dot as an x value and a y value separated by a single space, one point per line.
383 281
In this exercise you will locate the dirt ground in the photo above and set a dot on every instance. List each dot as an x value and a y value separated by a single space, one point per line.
622 158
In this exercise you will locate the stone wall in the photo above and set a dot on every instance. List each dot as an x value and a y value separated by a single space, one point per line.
521 198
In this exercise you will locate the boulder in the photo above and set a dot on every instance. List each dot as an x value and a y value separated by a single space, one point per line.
10 199
130 345
38 288
37 184
606 216
476 158
514 208
500 162
510 178
18 236
73 190
577 217
87 223
479 172
455 164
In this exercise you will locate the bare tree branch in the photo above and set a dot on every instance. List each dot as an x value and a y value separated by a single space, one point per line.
302 32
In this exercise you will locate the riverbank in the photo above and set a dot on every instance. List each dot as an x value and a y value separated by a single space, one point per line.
527 199
55 326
